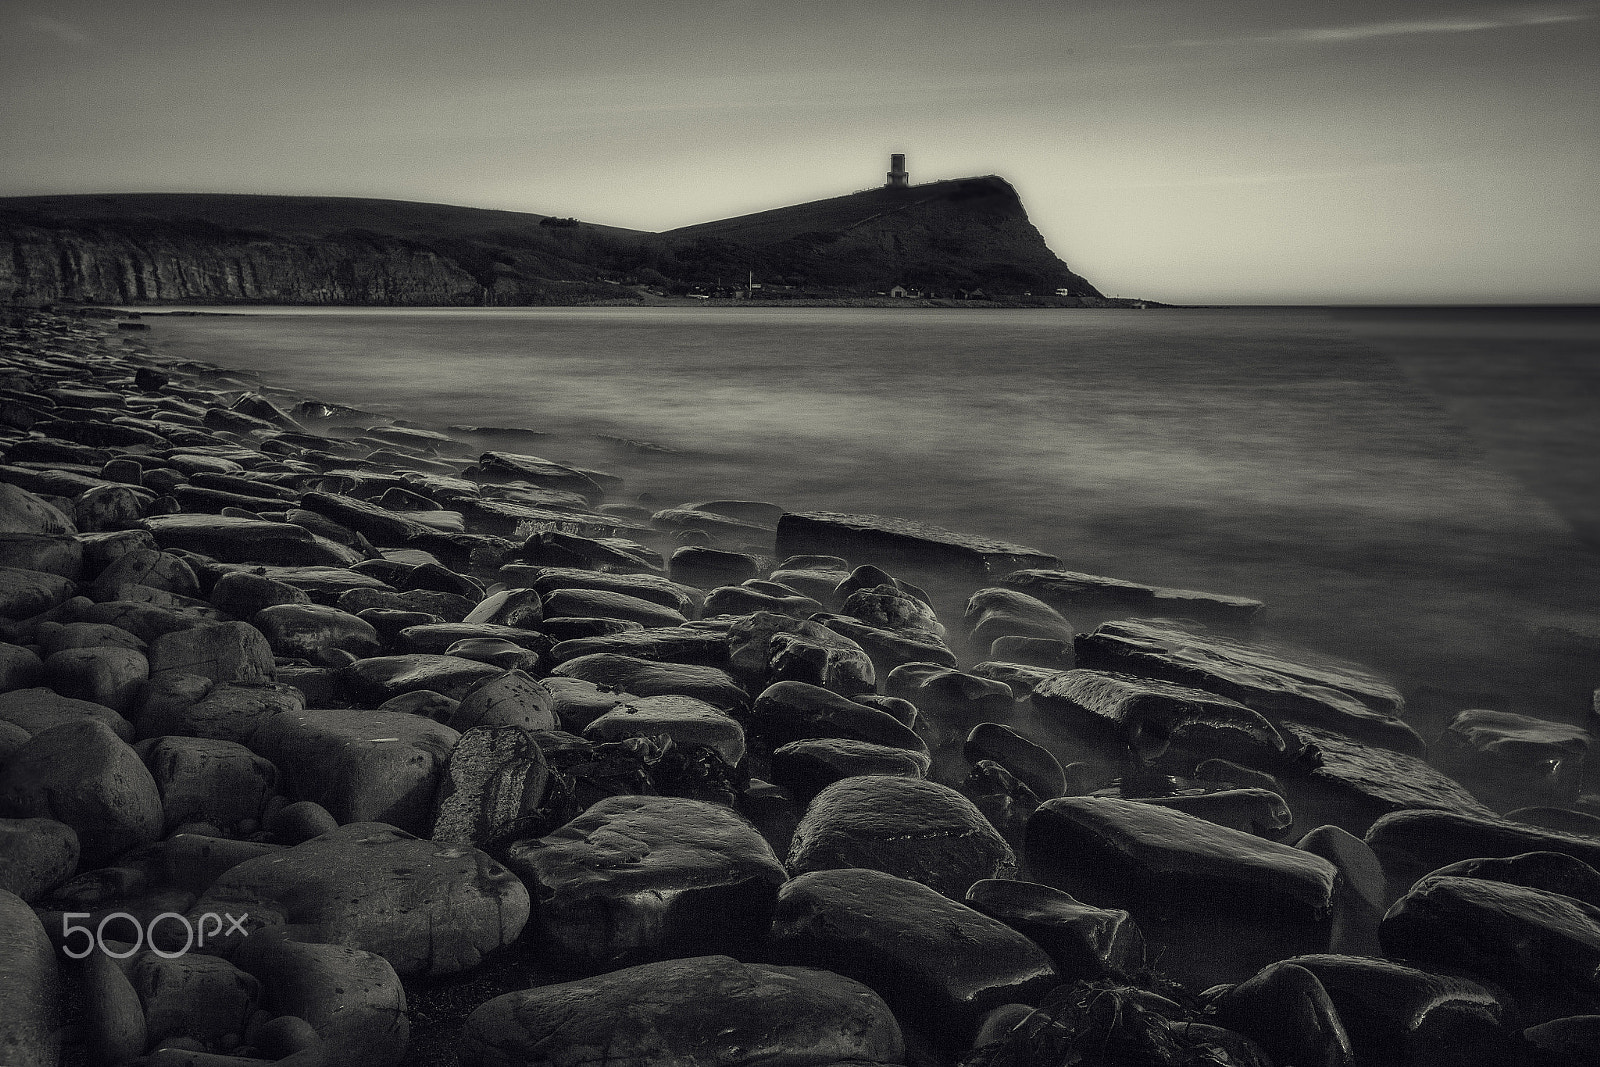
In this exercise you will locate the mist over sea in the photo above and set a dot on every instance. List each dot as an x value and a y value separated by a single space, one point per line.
1417 490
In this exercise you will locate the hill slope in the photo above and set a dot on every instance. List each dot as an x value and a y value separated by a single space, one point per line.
155 248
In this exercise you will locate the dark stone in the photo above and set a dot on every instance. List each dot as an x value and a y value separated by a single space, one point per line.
1335 697
1070 589
657 590
1252 811
510 698
36 855
1515 760
1552 872
668 644
500 467
1033 652
427 908
1286 1009
906 827
494 776
902 543
1031 763
685 720
25 593
1570 1042
651 877
795 711
647 678
1362 894
707 568
33 1021
522 608
805 768
382 677
707 1012
248 541
1085 943
1413 843
562 630
741 600
887 608
889 649
766 648
937 962
226 652
435 638
306 630
995 613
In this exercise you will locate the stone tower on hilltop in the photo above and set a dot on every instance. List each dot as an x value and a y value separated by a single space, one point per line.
898 179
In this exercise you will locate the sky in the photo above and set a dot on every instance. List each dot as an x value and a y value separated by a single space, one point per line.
1198 151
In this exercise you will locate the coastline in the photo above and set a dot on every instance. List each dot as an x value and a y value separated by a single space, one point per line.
346 492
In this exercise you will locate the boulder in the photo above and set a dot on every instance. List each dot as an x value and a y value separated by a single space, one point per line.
805 768
350 999
1287 1010
1515 760
646 678
25 593
687 721
36 855
1070 589
254 541
889 649
242 594
143 566
654 588
195 996
38 709
427 908
110 677
186 705
994 613
1084 942
522 608
363 766
31 1002
1032 764
225 652
384 677
938 963
708 568
710 1011
52 553
305 631
494 776
795 711
1413 843
113 1019
84 775
902 543
26 513
1283 686
908 827
766 647
1552 872
666 644
434 638
205 780
510 698
650 876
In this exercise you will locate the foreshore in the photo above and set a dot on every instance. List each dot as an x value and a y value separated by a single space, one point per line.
295 699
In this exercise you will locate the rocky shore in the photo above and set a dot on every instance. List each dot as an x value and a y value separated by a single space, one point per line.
326 739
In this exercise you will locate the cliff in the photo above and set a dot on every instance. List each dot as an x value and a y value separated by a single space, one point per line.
953 236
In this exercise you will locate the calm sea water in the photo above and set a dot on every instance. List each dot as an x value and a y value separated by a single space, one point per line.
1414 490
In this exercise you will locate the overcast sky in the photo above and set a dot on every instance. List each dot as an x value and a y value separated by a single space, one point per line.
1270 151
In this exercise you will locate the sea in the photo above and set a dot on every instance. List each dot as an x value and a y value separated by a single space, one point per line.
1413 489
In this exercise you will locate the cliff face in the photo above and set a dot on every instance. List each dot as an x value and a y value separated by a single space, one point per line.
965 235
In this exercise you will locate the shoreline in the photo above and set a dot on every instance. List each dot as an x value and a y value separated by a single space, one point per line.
222 501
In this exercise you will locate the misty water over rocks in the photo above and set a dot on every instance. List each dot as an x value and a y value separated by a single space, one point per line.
1374 477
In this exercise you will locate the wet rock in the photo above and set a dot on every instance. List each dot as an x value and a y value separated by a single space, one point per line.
1570 1042
1508 934
708 568
1252 811
1351 784
112 677
53 637
901 543
191 862
1286 1009
739 600
25 593
577 703
1069 589
351 1000
1021 678
646 678
710 1011
1334 697
995 613
384 677
765 648
795 711
84 775
1084 942
1561 820
805 768
1031 763
494 776
1552 872
237 540
225 652
1225 903
380 525
551 548
889 649
196 996
186 706
110 507
427 908
12 737
24 512
1147 716
439 579
605 604
203 780
1362 894
1399 1015
296 823
907 827
956 699
500 467
145 621
323 584
668 644
657 590
522 608
435 638
305 631
100 550
510 698
51 553
143 566
1515 760
1412 843
1004 800
363 766
647 876
36 855
685 720
936 962
887 608
114 1019
31 1022
502 654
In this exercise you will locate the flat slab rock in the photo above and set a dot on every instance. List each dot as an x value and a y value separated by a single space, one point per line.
650 876
1279 685
1071 589
427 908
935 960
1413 843
708 1011
907 827
891 542
1368 781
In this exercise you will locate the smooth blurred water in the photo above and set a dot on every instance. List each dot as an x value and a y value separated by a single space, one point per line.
1371 476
